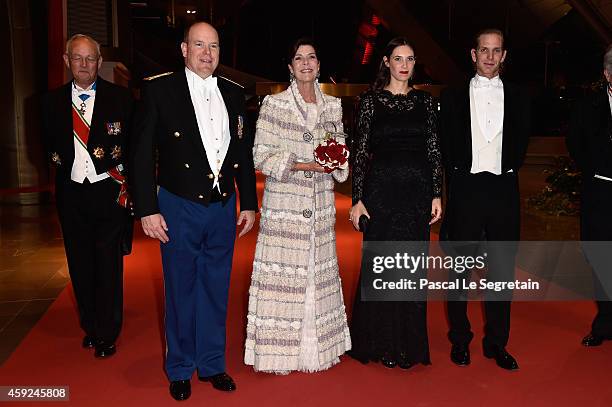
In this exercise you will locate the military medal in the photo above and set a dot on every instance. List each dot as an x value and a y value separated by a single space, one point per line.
56 158
98 152
240 126
113 128
116 152
83 107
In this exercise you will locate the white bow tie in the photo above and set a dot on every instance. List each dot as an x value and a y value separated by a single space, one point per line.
480 82
209 83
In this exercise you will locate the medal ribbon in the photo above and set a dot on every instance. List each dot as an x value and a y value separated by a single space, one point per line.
80 129
124 198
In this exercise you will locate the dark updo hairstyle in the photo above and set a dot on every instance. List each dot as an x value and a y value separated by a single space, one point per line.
383 77
297 44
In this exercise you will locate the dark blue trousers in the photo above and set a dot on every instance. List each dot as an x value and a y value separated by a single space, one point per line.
197 262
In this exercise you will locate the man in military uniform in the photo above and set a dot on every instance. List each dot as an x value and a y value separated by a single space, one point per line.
86 124
194 121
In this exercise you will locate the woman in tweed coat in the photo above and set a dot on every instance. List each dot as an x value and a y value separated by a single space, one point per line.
296 316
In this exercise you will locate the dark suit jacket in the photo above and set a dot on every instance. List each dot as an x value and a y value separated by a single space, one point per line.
589 139
113 104
456 140
456 130
166 128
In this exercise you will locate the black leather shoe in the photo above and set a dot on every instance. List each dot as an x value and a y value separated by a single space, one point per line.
105 349
501 356
592 340
221 381
89 342
388 363
180 389
460 355
403 362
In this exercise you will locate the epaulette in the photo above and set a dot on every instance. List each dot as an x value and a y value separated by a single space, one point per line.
229 80
150 78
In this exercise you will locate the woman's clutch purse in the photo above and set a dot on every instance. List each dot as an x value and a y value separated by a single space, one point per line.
363 223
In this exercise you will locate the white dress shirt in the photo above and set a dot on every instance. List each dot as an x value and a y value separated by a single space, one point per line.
83 166
487 122
212 118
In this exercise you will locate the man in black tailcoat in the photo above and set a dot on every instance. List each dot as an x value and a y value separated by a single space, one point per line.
589 143
85 131
484 128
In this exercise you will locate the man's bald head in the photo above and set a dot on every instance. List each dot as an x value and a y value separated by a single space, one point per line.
200 48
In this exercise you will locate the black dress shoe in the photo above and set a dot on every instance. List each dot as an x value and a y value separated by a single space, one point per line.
221 381
403 362
89 342
180 389
501 356
105 349
388 363
592 340
460 355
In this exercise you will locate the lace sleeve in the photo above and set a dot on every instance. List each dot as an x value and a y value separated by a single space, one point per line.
361 145
433 144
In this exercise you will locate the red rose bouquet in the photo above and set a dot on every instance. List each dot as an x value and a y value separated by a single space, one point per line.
331 154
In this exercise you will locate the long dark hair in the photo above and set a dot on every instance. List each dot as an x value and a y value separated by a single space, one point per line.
383 77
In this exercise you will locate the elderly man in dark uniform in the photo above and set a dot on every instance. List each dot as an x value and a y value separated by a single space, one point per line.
589 143
85 128
194 123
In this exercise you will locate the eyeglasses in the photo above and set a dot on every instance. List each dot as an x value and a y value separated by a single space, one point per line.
79 59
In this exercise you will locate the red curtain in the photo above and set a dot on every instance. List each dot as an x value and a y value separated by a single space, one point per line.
55 43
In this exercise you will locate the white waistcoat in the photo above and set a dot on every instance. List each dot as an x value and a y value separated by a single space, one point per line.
486 153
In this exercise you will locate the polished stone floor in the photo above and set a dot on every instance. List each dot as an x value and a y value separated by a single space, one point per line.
33 269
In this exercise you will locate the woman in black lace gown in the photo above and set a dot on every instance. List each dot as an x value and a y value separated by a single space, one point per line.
397 178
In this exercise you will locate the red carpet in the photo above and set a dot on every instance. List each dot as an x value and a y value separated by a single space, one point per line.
555 369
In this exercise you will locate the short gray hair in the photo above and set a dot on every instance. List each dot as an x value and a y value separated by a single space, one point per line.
607 60
82 36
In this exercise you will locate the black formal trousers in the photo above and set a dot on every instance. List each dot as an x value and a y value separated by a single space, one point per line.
596 225
487 206
93 224
589 142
